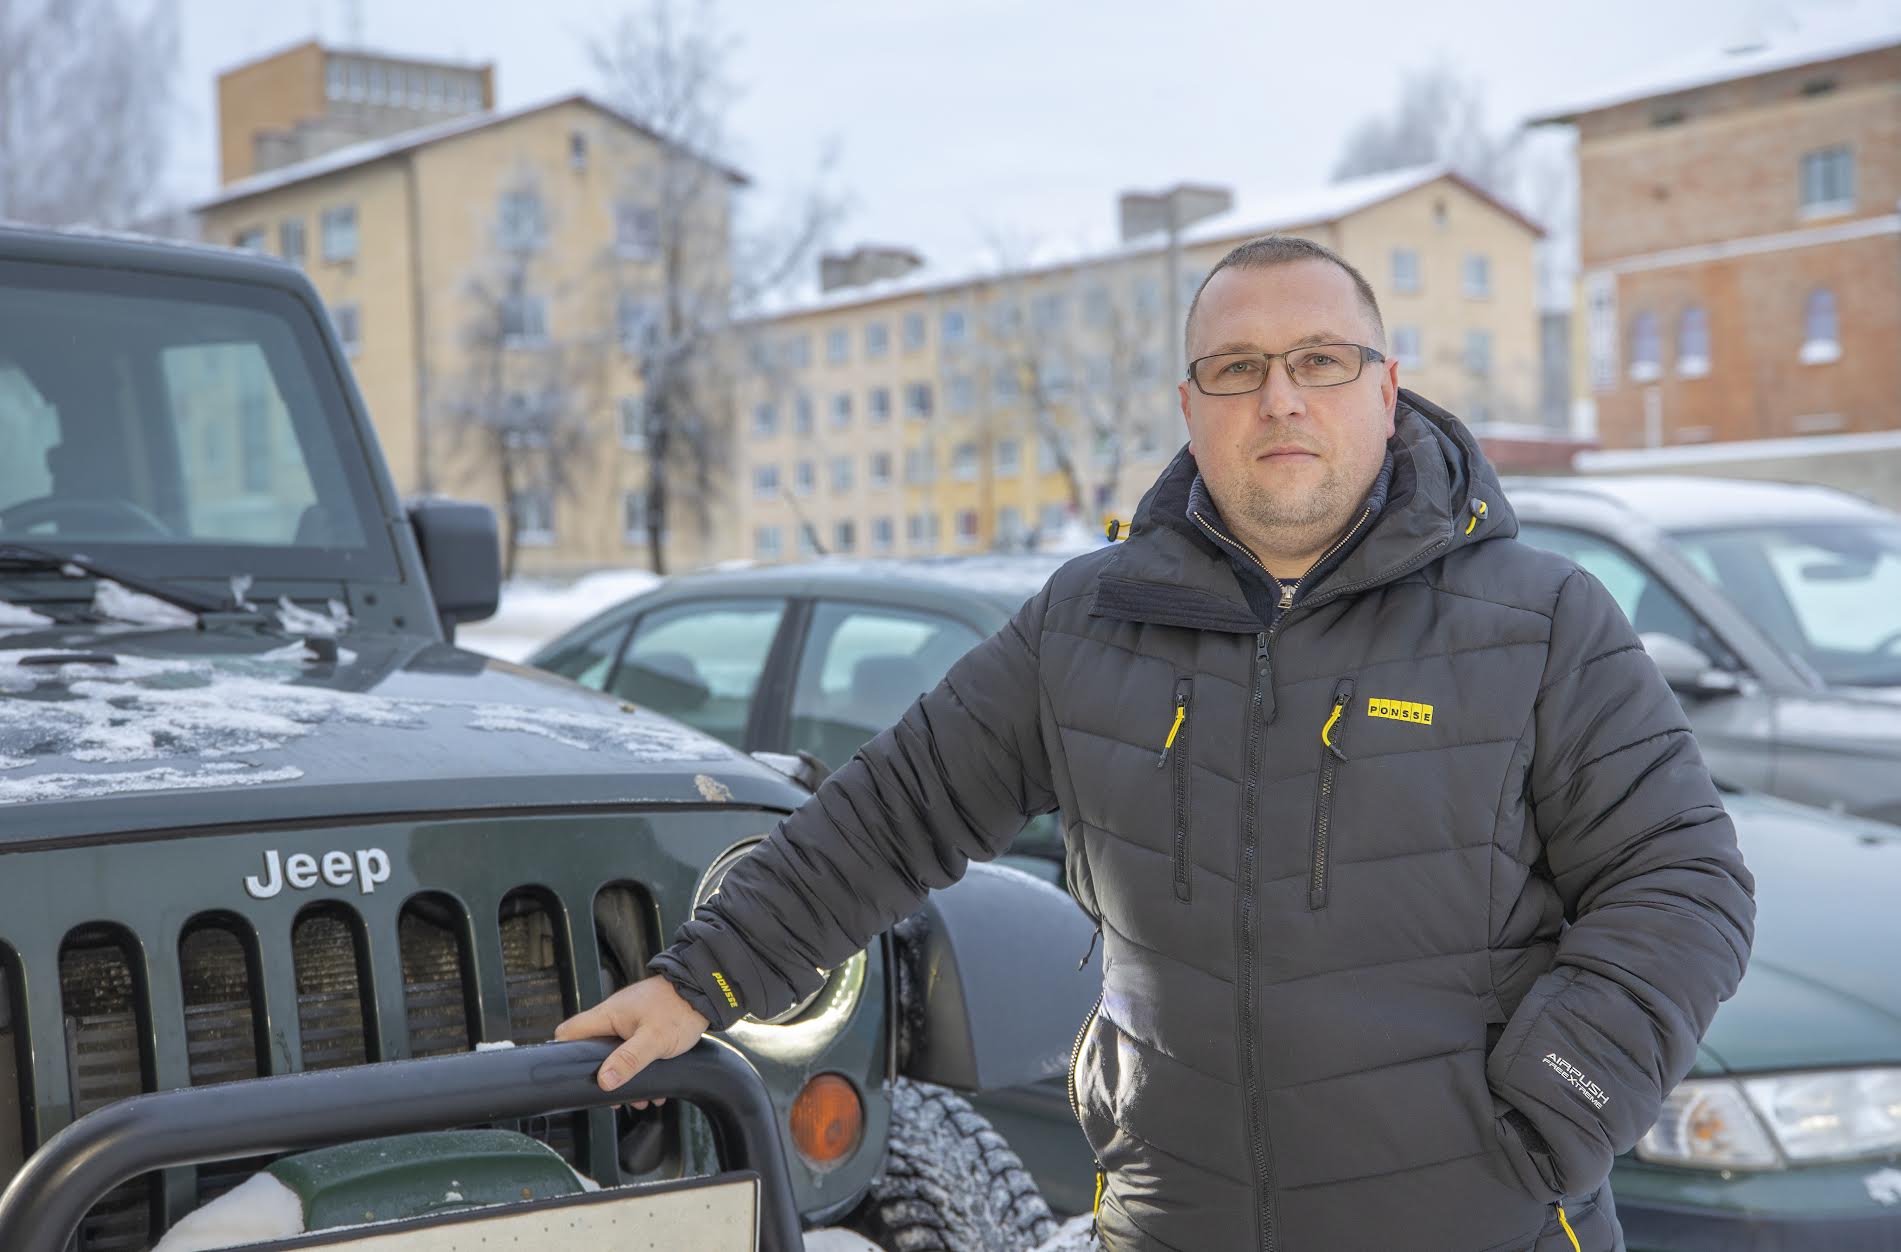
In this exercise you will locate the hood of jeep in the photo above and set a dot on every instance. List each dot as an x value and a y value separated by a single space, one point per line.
163 729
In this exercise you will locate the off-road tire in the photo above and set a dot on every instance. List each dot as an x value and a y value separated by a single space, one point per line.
950 1183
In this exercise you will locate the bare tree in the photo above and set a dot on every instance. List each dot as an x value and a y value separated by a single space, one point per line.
1439 117
681 267
86 95
521 408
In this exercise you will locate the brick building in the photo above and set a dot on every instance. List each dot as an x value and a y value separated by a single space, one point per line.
1740 242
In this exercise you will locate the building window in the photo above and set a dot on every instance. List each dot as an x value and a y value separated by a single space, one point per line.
1406 347
837 346
1828 182
376 84
880 469
1600 310
768 543
1405 271
878 405
250 239
883 534
765 420
965 464
633 517
796 352
1477 277
336 83
1056 379
1148 299
637 322
349 323
919 466
435 91
339 233
1822 342
841 474
290 240
913 331
519 223
359 80
841 409
953 326
804 478
1005 387
1478 351
1050 519
1006 319
1693 343
917 401
524 321
1009 527
1046 311
1098 306
845 536
765 481
1009 458
966 528
802 414
960 393
920 531
636 231
1047 460
877 340
577 148
1646 348
633 423
533 514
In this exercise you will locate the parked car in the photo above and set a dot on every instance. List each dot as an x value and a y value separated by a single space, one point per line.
1773 609
1787 1134
259 817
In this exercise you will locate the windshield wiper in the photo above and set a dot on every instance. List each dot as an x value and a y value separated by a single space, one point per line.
22 556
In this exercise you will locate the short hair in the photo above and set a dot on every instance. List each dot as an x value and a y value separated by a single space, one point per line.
1285 250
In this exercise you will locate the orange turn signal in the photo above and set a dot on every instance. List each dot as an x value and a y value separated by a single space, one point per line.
828 1120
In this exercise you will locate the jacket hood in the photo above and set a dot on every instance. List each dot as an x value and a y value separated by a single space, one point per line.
1444 496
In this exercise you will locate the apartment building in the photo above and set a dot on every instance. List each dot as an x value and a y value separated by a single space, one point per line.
905 410
1740 241
493 275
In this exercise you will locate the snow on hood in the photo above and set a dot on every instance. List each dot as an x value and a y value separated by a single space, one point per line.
648 739
12 616
121 604
165 778
297 620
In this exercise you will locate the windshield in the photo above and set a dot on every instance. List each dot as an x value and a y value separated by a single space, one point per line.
1829 593
183 427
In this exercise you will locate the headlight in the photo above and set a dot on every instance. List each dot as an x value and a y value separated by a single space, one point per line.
709 887
1783 1119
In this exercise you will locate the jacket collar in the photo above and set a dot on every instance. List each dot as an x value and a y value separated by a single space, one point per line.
1443 495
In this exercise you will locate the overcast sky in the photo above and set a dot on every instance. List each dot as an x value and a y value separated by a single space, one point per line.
956 121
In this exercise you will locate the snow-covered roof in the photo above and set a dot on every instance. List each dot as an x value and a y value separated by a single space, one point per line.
392 145
1686 502
1815 37
1306 206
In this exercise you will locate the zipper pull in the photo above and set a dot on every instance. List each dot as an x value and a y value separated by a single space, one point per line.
1326 732
1287 595
1181 715
1093 936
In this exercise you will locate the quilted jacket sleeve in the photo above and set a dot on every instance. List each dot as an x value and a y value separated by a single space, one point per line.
954 780
1660 904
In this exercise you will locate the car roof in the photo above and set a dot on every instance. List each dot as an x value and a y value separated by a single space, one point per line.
125 250
1005 579
1678 502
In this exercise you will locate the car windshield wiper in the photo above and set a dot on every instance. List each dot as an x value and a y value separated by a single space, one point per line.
19 556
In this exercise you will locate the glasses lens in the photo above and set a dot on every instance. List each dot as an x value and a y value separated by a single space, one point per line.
1325 365
1230 373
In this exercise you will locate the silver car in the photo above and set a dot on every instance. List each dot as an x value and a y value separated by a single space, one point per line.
1774 610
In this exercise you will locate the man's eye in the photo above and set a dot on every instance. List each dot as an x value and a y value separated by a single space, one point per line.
1317 358
1241 367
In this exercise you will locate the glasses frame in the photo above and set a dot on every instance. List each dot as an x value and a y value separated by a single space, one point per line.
1366 355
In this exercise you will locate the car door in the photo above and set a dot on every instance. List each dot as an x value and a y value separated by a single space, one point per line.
1735 730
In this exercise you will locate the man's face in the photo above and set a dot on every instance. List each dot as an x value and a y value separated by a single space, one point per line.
1294 461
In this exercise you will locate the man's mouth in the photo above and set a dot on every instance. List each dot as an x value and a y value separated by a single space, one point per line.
1285 452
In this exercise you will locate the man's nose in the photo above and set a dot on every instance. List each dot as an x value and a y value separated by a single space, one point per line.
1279 396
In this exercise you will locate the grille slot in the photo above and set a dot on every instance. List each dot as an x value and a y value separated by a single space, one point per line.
328 953
540 985
107 1020
13 1098
218 973
436 985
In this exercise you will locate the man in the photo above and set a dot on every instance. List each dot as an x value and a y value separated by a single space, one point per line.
1415 894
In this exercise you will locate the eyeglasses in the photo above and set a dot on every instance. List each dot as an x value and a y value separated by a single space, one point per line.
1317 365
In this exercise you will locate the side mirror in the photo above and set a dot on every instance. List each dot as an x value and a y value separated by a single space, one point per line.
1687 670
462 552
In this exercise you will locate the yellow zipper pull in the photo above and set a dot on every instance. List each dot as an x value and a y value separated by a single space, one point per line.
1181 715
1478 511
1326 732
1570 1234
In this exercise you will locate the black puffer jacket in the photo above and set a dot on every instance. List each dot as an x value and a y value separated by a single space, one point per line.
1405 935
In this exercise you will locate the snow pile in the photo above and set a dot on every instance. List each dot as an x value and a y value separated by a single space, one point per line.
90 786
1076 1235
646 738
297 620
258 1210
12 616
121 604
533 612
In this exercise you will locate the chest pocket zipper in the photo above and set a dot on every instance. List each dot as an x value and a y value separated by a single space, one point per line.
1332 755
1177 747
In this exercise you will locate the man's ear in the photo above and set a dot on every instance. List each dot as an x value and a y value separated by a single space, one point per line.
1181 393
1389 391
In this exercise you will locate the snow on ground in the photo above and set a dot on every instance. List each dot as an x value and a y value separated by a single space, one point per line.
533 611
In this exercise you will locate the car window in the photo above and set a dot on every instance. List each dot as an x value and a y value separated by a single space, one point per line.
587 660
700 662
862 667
1651 607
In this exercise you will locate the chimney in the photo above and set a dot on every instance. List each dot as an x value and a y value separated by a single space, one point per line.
1146 212
867 263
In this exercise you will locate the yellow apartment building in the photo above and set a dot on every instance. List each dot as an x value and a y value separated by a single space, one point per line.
482 263
905 411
